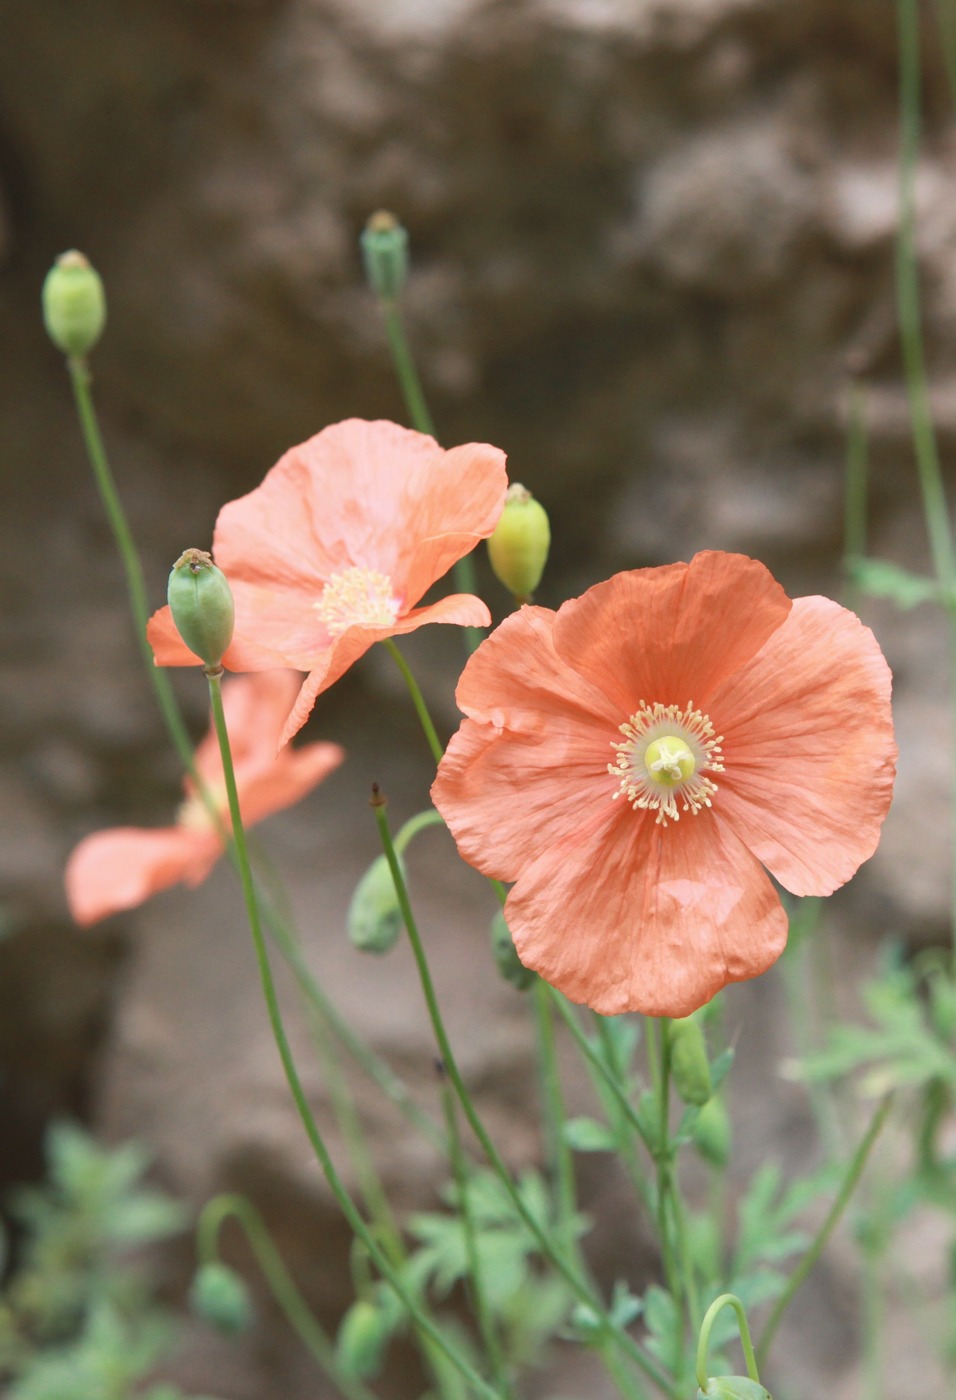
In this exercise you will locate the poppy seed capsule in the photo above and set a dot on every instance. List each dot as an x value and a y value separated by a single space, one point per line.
690 1066
507 961
712 1132
734 1388
200 601
384 244
375 918
74 304
220 1297
518 549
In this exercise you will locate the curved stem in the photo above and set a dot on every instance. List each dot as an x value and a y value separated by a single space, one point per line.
853 1173
418 700
281 1283
547 1246
703 1340
336 1185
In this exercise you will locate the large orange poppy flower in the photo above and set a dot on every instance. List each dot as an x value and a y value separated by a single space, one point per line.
634 760
119 869
337 546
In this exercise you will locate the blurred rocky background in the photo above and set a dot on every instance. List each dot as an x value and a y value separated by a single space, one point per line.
653 248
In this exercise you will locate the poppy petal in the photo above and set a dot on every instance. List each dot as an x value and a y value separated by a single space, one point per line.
629 916
808 748
119 869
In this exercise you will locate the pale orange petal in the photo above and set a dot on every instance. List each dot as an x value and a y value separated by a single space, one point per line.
294 773
532 764
671 635
449 504
463 609
119 869
628 916
808 748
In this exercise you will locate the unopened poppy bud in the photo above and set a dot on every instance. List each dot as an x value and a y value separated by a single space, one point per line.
200 601
509 964
219 1296
690 1066
711 1132
74 304
385 255
734 1388
518 549
374 917
362 1338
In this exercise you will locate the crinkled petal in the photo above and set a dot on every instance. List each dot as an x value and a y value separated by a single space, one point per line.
672 634
629 916
808 748
451 504
533 762
463 609
119 869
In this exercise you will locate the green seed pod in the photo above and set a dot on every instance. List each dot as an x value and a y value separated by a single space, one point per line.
374 917
690 1066
508 963
734 1388
518 549
220 1297
200 600
74 304
384 245
362 1338
712 1132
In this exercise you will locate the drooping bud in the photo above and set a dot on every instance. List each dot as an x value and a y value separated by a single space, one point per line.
690 1066
74 304
219 1296
508 963
385 254
375 918
200 601
518 549
711 1132
734 1388
362 1338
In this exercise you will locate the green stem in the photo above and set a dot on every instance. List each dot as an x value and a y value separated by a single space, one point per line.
659 1066
135 584
611 1072
483 1314
935 506
946 16
336 1185
280 1281
703 1340
855 490
547 1246
411 386
557 1153
600 1068
418 700
411 828
853 1173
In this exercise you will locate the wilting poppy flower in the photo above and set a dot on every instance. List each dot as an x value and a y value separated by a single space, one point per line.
336 547
119 869
634 760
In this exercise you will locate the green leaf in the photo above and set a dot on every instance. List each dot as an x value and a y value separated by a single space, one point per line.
882 579
588 1135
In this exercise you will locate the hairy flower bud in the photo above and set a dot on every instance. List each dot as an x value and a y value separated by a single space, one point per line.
385 254
200 601
518 549
219 1296
74 304
362 1337
375 918
734 1388
711 1132
508 963
690 1066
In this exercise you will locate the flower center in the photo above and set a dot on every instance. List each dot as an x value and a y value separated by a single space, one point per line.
663 759
357 597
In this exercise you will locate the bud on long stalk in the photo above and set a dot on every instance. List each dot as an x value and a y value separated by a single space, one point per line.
74 304
200 601
518 549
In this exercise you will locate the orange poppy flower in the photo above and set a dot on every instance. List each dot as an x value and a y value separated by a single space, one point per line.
336 547
633 760
119 869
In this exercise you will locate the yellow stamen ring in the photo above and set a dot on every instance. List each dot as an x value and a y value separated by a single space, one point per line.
663 759
357 597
